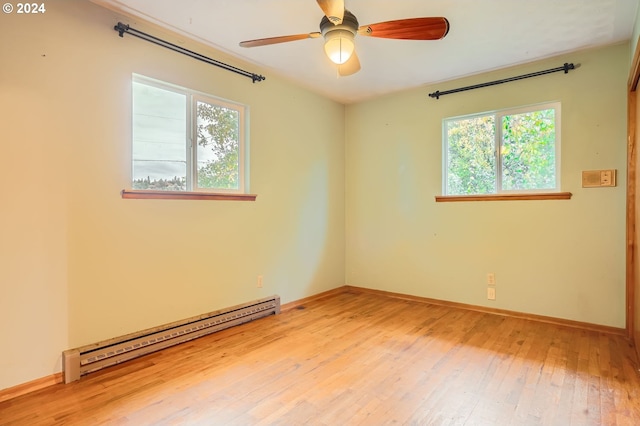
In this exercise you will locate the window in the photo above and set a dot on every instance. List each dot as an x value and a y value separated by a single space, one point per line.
509 151
186 141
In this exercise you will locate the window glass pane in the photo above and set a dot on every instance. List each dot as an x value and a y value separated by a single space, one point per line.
159 139
529 151
471 167
218 150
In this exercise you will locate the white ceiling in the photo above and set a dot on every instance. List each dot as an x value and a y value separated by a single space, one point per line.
484 35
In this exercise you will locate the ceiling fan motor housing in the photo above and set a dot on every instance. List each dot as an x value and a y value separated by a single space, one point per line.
349 23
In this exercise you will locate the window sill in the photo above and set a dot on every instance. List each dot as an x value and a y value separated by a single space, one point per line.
504 197
178 195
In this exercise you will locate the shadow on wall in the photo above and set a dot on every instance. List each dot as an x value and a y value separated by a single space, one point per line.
300 262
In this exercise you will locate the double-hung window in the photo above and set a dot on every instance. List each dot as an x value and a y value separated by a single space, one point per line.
186 141
508 151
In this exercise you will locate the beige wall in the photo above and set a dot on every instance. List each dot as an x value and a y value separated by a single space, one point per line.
79 264
563 259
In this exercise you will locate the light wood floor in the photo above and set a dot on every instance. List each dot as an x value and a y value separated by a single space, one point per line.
360 359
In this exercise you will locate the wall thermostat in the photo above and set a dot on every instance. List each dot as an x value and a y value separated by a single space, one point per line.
598 178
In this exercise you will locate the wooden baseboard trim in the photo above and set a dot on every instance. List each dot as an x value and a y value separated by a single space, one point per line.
32 386
324 295
540 318
57 378
54 379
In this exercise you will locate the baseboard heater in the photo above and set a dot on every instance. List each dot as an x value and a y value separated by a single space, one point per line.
86 359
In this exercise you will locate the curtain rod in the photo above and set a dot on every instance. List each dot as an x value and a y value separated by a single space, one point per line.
122 28
566 67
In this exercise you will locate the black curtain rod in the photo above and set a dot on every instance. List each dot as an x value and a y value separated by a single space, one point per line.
566 67
122 28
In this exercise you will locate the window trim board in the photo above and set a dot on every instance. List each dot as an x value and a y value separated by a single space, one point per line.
184 195
505 197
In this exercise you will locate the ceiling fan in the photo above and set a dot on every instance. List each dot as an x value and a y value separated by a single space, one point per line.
339 28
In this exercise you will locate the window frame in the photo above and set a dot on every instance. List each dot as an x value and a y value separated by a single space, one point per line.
498 158
193 191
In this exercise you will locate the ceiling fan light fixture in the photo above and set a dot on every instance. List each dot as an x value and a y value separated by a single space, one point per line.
339 30
339 45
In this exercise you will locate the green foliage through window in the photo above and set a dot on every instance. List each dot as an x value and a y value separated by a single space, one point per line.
218 149
507 151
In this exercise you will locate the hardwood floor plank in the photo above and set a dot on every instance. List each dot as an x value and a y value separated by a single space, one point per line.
360 359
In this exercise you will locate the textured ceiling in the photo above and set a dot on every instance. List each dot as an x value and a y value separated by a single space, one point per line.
484 35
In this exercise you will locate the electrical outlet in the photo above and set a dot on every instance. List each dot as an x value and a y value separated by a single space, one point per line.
259 281
491 293
491 278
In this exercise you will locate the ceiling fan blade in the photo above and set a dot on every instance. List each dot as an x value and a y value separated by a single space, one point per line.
352 66
333 10
408 29
276 40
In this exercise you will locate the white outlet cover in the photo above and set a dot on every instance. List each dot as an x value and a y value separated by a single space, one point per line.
491 293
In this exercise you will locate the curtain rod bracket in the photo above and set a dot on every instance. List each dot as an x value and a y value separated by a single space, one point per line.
566 68
122 28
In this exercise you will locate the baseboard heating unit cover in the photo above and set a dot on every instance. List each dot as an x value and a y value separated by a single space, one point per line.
86 359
